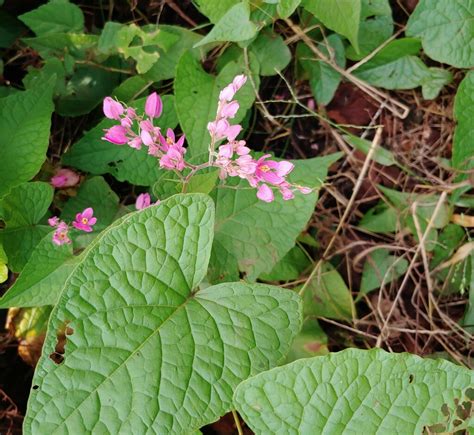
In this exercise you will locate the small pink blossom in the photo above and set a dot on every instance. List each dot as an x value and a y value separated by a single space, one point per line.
65 178
116 135
60 235
271 171
264 193
229 110
53 221
143 201
136 143
85 220
227 93
173 159
153 105
112 109
170 141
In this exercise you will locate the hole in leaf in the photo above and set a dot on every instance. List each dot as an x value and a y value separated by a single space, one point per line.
58 355
410 379
35 387
470 393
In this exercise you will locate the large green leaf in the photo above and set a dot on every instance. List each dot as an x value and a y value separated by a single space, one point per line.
21 210
446 29
215 9
324 80
42 278
376 26
252 236
342 16
353 391
25 120
327 295
396 66
272 53
197 94
463 147
149 351
97 156
54 17
234 26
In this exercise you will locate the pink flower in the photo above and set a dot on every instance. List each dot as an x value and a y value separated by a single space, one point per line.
264 193
227 93
53 221
170 141
173 159
304 190
228 110
116 135
112 109
271 171
153 105
143 201
286 192
65 178
60 235
85 220
136 143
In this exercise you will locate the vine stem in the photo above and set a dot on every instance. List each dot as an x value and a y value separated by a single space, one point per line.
237 422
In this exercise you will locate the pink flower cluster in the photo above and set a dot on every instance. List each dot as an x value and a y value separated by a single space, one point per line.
233 158
84 222
137 131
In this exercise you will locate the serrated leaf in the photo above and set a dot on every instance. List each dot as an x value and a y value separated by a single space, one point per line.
323 79
252 236
327 295
446 30
54 17
342 16
25 120
353 391
233 26
381 268
134 308
92 154
21 210
463 150
197 94
272 53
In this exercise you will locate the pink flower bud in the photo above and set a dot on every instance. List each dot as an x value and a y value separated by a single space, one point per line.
232 132
126 122
228 110
146 138
153 105
226 151
53 221
116 135
239 81
304 190
112 109
284 168
65 178
227 93
143 201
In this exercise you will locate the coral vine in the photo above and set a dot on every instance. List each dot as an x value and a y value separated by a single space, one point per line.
232 157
